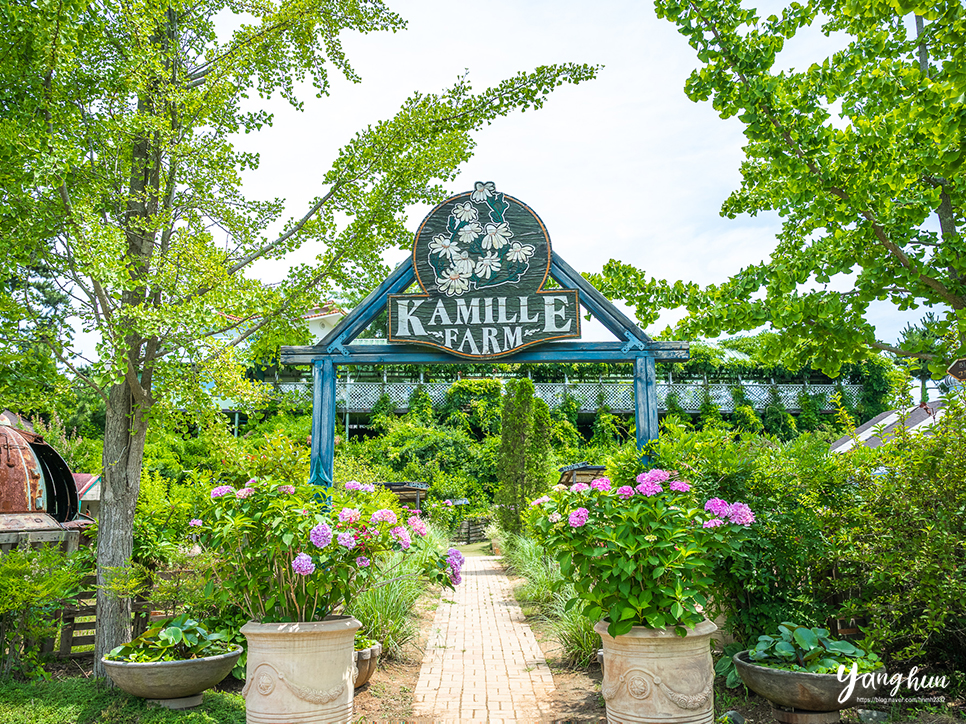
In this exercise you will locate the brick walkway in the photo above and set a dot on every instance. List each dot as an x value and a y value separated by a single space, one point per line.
482 662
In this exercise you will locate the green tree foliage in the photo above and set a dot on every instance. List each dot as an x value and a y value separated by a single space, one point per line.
861 154
420 405
515 439
117 162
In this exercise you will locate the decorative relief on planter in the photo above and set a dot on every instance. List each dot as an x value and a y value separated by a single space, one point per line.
481 259
639 687
265 684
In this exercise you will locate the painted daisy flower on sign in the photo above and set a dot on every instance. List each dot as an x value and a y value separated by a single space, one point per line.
465 211
454 283
497 235
487 265
483 191
462 263
469 232
519 252
443 245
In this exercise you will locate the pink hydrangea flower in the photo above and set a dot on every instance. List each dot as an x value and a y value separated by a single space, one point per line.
195 522
648 487
653 476
713 523
625 491
679 485
347 540
740 514
353 485
554 517
362 562
286 489
717 506
601 484
383 516
367 488
449 503
303 564
244 492
418 526
579 487
349 515
401 535
251 481
543 499
221 490
321 535
578 518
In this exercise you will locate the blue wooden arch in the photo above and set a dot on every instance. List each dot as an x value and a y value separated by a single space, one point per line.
336 349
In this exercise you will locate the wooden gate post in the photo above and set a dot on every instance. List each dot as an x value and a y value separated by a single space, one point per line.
323 423
645 401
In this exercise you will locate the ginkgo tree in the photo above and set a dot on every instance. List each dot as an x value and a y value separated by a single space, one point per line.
120 180
861 154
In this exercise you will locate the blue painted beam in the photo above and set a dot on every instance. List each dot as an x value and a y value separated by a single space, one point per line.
645 401
551 352
360 317
323 424
598 305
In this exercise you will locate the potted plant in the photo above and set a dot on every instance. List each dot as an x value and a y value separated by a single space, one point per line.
292 558
804 669
366 657
640 555
172 663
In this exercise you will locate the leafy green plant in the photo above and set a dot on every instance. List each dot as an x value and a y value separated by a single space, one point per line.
799 648
176 639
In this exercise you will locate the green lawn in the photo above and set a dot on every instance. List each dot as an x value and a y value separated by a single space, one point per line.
82 701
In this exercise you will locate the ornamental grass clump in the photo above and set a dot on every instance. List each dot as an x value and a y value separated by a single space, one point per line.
641 552
282 554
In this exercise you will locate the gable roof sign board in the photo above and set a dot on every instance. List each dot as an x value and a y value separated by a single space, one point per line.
915 419
481 261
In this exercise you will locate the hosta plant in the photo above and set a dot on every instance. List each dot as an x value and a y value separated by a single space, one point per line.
177 639
799 648
641 553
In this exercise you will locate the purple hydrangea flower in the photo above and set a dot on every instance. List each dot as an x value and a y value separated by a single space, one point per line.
453 555
649 487
418 526
578 518
368 488
362 562
717 506
401 535
221 490
653 476
579 487
625 491
740 514
543 499
679 485
195 522
244 492
321 535
303 564
347 540
349 515
286 489
713 523
455 577
601 484
353 485
383 516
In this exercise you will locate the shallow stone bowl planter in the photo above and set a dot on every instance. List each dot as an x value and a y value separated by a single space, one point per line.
163 681
366 661
801 689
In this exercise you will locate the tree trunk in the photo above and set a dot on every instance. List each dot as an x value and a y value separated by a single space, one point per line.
124 437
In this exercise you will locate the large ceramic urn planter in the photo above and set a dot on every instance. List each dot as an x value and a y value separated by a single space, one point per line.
300 672
656 676
173 684
798 692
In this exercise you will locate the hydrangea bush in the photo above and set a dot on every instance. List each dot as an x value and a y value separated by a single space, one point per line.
638 554
282 554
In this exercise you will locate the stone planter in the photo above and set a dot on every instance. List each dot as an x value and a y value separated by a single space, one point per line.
366 662
656 676
173 684
300 672
801 690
